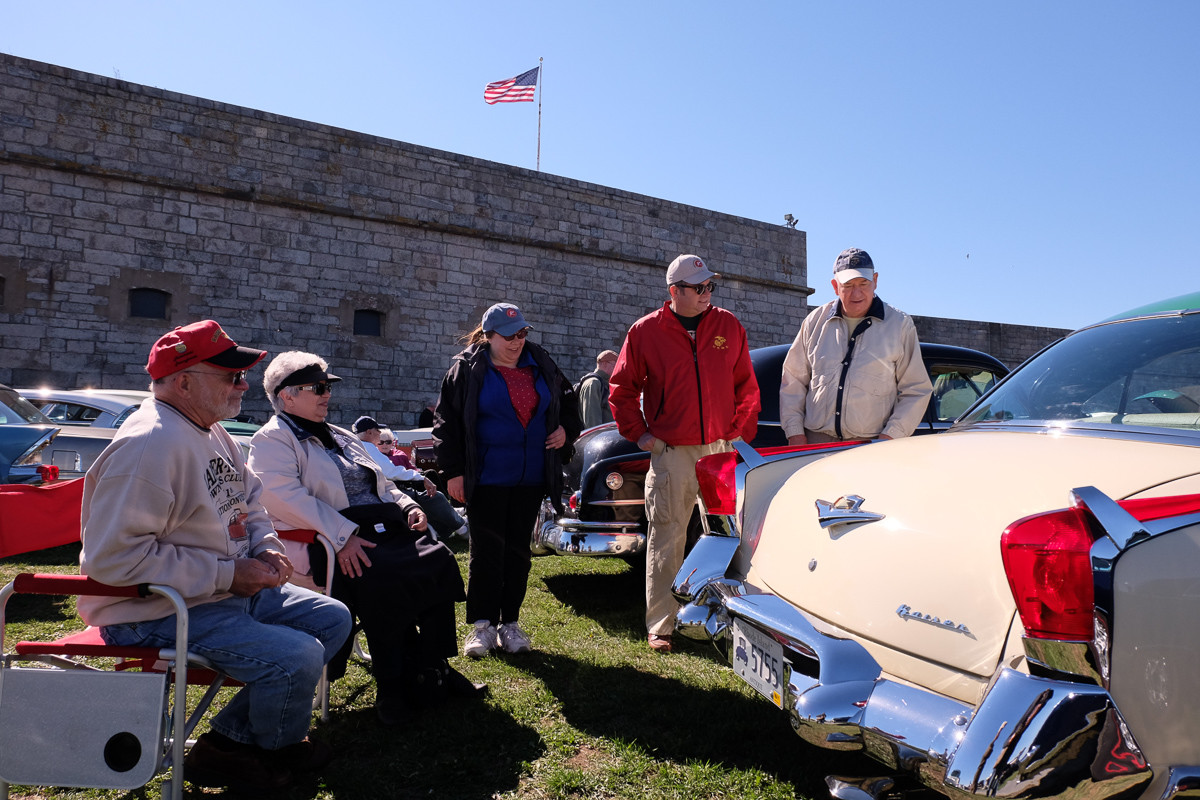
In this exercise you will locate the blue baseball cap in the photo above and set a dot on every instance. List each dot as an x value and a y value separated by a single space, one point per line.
504 319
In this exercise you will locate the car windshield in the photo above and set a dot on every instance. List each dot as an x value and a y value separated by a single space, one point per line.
1143 372
16 410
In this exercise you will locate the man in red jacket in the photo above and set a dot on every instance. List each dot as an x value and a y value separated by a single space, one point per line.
683 388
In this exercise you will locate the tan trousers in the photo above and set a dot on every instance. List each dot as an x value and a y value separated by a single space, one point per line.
671 489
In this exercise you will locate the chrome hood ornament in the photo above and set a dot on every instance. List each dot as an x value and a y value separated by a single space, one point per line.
846 510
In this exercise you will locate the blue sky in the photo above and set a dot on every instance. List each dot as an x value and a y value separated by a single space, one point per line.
1022 161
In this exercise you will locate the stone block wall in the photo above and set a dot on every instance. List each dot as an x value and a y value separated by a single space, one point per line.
1012 344
282 229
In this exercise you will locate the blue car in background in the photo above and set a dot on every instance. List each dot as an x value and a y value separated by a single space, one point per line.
29 439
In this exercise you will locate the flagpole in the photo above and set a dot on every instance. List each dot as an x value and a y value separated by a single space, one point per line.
541 89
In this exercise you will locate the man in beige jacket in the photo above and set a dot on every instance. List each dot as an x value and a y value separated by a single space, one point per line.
854 370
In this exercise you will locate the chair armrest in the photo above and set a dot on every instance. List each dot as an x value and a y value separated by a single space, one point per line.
306 536
27 583
303 535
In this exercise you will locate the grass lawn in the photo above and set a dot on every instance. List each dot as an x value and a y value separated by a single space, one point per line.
591 713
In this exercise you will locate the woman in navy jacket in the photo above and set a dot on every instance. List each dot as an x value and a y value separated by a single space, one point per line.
503 427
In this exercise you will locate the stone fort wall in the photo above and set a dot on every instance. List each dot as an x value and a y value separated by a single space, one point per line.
285 230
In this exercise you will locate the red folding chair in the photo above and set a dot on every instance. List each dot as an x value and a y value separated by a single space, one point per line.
64 721
306 536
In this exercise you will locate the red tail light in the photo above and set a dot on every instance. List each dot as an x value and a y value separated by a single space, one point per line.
1046 557
715 474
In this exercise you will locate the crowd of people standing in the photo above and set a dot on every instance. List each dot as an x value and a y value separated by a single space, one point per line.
173 500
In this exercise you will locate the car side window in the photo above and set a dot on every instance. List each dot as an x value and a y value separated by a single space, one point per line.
956 388
71 413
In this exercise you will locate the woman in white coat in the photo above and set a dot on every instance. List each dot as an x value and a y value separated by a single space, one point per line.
396 579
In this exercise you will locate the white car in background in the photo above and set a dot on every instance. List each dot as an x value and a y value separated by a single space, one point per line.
102 408
1006 610
108 408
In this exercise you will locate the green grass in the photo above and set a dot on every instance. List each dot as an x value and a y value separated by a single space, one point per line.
591 713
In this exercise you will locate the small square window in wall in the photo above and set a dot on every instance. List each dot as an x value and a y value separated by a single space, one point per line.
368 322
148 303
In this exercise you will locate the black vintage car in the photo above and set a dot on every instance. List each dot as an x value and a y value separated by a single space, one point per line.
604 488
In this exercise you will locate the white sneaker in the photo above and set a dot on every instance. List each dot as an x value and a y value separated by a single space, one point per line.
480 640
463 532
513 639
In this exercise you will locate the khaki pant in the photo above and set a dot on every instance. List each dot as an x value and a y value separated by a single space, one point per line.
671 489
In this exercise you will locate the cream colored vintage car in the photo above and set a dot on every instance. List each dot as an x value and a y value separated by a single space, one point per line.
1009 609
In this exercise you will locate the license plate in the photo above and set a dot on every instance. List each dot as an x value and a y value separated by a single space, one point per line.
758 660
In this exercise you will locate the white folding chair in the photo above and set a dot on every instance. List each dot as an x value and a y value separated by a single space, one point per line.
66 721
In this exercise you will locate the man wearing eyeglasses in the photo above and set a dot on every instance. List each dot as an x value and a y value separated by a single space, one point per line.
683 388
855 369
171 501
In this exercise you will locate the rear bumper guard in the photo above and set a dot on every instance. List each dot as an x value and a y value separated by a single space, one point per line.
1029 737
569 536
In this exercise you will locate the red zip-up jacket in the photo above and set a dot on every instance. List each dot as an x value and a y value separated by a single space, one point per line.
683 391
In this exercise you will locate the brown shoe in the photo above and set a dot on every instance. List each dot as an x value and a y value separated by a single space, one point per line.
660 644
218 761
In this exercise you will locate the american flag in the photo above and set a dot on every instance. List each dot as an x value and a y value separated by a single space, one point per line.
514 90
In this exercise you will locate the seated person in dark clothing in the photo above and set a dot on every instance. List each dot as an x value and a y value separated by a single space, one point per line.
400 583
410 480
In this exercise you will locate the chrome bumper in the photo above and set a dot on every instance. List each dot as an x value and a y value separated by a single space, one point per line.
1028 738
572 537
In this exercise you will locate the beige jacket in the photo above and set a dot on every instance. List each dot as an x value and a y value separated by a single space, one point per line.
168 502
885 389
302 487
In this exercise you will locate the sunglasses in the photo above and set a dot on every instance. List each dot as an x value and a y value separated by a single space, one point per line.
521 334
316 388
704 288
387 441
234 378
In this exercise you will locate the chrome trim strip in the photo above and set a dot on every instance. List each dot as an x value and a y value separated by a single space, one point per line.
1177 436
1183 783
1118 524
611 538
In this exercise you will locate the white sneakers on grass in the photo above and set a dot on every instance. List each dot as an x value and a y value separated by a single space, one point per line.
513 639
481 640
484 637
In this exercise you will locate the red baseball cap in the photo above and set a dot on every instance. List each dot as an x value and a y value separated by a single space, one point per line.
200 341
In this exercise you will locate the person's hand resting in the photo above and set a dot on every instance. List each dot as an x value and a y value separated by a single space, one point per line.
556 439
352 558
455 487
416 519
252 575
279 562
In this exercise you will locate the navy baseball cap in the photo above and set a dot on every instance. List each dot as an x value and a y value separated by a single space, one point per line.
504 319
851 264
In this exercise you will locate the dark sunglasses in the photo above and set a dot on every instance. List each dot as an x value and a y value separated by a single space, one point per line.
704 288
521 334
234 378
317 388
387 441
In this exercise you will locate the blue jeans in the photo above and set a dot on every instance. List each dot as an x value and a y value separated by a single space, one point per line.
274 642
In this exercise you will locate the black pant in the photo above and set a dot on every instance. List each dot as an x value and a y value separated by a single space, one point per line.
502 520
404 601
